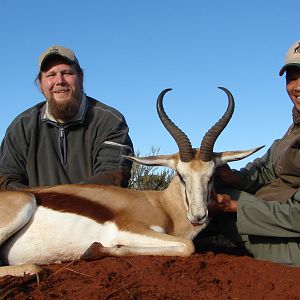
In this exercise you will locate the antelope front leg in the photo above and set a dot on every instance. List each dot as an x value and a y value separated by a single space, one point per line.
20 270
147 243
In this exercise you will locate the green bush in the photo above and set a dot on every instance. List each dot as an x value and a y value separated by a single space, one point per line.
150 177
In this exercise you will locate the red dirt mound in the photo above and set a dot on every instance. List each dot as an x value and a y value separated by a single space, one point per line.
205 275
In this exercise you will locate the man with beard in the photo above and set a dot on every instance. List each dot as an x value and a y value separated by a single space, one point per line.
69 138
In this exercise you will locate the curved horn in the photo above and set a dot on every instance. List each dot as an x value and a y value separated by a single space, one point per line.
184 145
207 144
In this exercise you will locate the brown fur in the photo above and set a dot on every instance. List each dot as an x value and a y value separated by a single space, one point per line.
75 204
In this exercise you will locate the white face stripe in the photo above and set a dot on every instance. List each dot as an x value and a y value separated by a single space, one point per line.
195 187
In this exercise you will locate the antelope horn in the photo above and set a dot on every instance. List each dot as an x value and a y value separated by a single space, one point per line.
207 144
184 145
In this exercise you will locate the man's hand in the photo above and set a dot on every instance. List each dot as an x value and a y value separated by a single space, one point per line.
221 203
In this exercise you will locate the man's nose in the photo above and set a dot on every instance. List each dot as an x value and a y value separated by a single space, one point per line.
60 78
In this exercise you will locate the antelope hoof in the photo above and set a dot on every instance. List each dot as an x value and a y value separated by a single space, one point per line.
94 252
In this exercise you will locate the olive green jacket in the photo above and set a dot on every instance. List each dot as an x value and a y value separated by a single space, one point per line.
268 213
276 176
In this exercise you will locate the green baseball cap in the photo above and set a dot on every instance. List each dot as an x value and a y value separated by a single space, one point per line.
66 53
292 58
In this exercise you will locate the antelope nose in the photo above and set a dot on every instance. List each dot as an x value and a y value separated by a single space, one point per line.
202 217
199 220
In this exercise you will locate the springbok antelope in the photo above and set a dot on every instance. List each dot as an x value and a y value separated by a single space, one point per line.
67 222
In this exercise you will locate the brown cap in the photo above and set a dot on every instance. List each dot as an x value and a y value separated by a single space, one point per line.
292 57
66 53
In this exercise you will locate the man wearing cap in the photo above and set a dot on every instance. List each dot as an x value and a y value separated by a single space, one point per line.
69 138
261 209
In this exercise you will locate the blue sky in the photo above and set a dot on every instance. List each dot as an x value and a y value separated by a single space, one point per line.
131 50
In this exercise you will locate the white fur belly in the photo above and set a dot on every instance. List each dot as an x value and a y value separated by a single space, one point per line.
52 236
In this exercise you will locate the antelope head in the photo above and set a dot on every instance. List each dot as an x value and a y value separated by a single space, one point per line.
195 167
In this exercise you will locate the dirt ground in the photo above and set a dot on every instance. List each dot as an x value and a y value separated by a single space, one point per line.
217 273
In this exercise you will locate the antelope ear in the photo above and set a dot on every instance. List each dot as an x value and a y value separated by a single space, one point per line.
222 158
169 161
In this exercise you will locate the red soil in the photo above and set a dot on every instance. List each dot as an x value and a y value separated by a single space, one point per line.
204 275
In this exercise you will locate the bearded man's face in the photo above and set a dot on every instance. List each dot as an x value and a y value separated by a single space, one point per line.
62 87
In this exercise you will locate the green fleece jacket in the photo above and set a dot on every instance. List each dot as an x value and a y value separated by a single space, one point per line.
38 151
268 211
275 180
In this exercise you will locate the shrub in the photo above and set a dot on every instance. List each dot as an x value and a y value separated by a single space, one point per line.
150 177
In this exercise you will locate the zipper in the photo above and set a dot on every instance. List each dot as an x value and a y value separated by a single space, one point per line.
62 145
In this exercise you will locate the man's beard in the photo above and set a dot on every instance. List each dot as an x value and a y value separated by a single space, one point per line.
64 110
